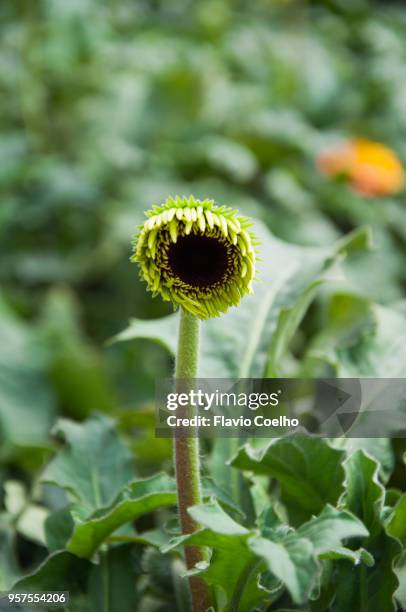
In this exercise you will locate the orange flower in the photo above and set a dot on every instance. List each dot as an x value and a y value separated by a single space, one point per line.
372 168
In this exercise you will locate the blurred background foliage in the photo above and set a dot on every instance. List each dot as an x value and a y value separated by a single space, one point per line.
108 107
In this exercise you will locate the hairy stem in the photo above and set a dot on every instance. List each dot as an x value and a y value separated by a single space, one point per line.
187 462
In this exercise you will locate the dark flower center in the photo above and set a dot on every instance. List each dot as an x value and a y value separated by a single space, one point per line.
200 261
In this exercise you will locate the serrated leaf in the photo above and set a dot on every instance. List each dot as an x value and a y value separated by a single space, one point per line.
231 567
138 498
96 469
292 561
309 472
330 527
355 556
368 588
364 495
289 555
361 587
396 526
95 464
379 448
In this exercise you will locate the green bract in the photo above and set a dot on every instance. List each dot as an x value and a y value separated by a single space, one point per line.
196 254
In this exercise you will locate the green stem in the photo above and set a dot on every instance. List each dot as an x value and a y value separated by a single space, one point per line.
187 461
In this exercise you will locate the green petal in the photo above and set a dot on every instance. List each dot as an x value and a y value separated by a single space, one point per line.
209 217
223 224
202 223
173 230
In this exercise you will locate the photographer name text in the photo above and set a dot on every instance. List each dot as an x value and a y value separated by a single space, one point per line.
219 420
214 402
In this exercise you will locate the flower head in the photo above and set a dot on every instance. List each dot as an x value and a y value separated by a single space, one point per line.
372 168
196 254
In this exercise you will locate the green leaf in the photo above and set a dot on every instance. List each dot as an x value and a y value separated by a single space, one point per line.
364 495
384 262
111 584
291 316
364 588
78 374
379 448
61 571
180 586
211 513
374 354
289 277
165 578
233 568
396 526
164 331
95 468
211 489
289 555
330 527
309 472
231 481
58 528
228 156
24 392
401 591
95 464
362 339
154 537
355 556
292 561
28 517
9 571
138 498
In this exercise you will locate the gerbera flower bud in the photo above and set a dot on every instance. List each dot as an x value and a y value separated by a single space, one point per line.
196 254
372 168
